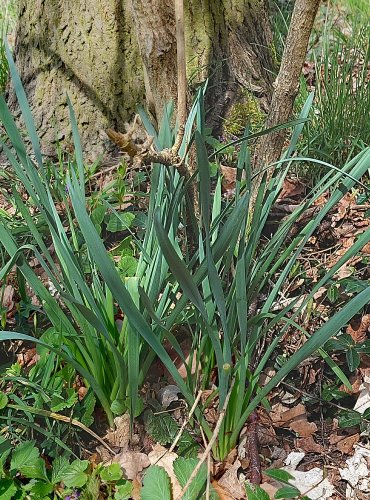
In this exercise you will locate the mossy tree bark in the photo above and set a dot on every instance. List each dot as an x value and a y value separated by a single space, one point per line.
111 55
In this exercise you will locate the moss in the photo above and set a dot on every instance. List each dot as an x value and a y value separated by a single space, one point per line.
246 111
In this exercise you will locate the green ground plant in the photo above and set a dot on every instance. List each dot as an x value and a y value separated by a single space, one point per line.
340 126
7 17
214 292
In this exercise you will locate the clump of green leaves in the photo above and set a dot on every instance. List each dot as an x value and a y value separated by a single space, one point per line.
339 127
24 474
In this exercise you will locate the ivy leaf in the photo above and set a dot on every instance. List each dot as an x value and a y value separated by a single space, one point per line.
183 467
156 484
257 493
348 418
74 475
279 475
287 492
112 472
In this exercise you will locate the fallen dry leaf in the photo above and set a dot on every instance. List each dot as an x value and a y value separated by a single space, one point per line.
344 444
363 400
312 482
228 179
309 445
221 492
135 492
356 473
230 481
270 489
294 419
121 435
132 462
7 298
358 329
162 457
291 188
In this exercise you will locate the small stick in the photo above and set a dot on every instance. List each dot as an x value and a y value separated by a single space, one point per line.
253 452
207 451
208 486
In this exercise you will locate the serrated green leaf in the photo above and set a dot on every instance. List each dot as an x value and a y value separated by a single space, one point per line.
183 467
187 446
112 472
34 470
256 493
8 489
3 400
24 454
119 406
162 428
74 475
279 475
287 492
348 418
60 466
41 489
59 403
156 484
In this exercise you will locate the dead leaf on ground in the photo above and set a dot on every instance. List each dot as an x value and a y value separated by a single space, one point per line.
221 492
270 489
230 481
135 492
309 445
363 400
28 357
132 462
121 435
294 419
228 179
359 328
8 297
291 188
344 444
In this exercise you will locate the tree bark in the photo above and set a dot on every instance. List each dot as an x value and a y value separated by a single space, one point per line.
111 55
85 48
286 85
228 41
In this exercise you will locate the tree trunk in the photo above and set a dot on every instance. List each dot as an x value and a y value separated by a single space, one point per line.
110 55
228 41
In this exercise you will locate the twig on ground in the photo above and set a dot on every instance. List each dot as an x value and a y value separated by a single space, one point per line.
207 451
253 449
